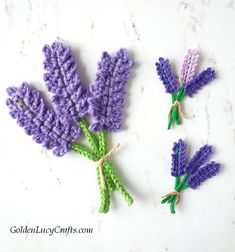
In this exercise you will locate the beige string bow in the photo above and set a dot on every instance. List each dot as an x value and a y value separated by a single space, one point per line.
177 104
100 162
177 194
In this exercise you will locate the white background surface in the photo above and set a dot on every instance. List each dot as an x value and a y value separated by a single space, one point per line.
37 188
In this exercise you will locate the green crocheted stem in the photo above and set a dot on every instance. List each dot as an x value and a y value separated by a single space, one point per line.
89 135
172 206
85 151
178 121
170 122
182 182
165 200
110 183
171 118
104 194
99 148
173 200
118 182
177 181
173 97
103 145
174 116
103 148
181 93
179 187
112 180
105 198
185 186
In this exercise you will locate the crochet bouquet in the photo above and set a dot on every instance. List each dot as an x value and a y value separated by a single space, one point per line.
189 84
59 129
194 172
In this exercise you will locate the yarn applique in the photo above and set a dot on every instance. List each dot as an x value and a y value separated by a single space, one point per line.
190 174
60 128
189 83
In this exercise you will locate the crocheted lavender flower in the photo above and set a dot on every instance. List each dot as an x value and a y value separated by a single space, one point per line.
189 66
189 84
60 128
28 108
199 159
203 173
178 158
108 91
199 81
163 68
193 174
62 79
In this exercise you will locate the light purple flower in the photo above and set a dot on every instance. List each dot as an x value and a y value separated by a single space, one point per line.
189 66
28 108
163 68
199 81
62 79
178 158
108 91
202 174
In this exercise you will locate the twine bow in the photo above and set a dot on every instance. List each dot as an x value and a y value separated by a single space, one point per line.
100 162
177 104
177 194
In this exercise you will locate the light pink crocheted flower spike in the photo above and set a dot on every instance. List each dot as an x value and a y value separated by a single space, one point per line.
189 66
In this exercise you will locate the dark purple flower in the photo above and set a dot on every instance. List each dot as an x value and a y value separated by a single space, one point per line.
62 79
108 91
178 158
199 81
199 159
163 68
28 108
203 173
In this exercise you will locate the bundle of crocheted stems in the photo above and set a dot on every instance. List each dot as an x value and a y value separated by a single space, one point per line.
190 83
190 174
59 128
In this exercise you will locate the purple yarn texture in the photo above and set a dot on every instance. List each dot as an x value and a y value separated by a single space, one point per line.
199 159
189 175
187 85
199 81
57 128
202 174
178 158
108 91
164 71
29 109
62 79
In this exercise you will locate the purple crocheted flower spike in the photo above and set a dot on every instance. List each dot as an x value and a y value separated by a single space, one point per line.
62 79
163 68
108 91
199 159
202 174
28 108
178 158
199 81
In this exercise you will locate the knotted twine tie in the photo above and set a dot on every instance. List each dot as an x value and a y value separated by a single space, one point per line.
100 162
177 104
177 194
